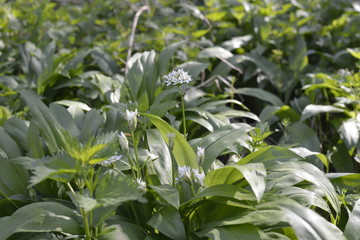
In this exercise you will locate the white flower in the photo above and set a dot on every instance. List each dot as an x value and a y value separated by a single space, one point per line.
198 177
184 173
131 117
111 160
177 77
123 142
141 184
200 155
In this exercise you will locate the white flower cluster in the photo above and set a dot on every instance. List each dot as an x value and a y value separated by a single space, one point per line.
186 173
141 184
111 160
177 77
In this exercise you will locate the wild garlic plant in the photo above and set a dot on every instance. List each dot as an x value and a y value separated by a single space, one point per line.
178 78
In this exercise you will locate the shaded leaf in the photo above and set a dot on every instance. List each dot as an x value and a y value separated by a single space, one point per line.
168 222
41 217
169 193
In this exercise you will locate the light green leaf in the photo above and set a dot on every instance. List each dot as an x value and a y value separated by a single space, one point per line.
270 156
355 52
312 110
344 180
225 190
183 153
169 193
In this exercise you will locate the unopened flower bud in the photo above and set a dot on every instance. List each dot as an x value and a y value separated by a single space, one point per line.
124 144
131 117
200 155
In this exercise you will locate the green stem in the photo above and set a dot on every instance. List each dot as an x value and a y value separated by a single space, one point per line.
7 198
136 155
83 214
183 112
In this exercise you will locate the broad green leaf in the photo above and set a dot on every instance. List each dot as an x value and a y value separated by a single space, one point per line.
344 180
245 231
168 221
312 110
225 175
60 168
90 124
47 124
236 42
34 141
313 175
225 190
302 135
286 112
134 78
169 193
115 188
64 118
270 156
68 103
8 145
104 61
193 68
13 178
355 52
183 153
255 174
118 228
41 217
305 197
17 130
166 54
353 224
298 58
163 164
86 202
304 152
308 225
350 132
215 142
260 94
215 52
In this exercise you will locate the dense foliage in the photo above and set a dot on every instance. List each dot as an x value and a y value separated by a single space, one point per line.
157 119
